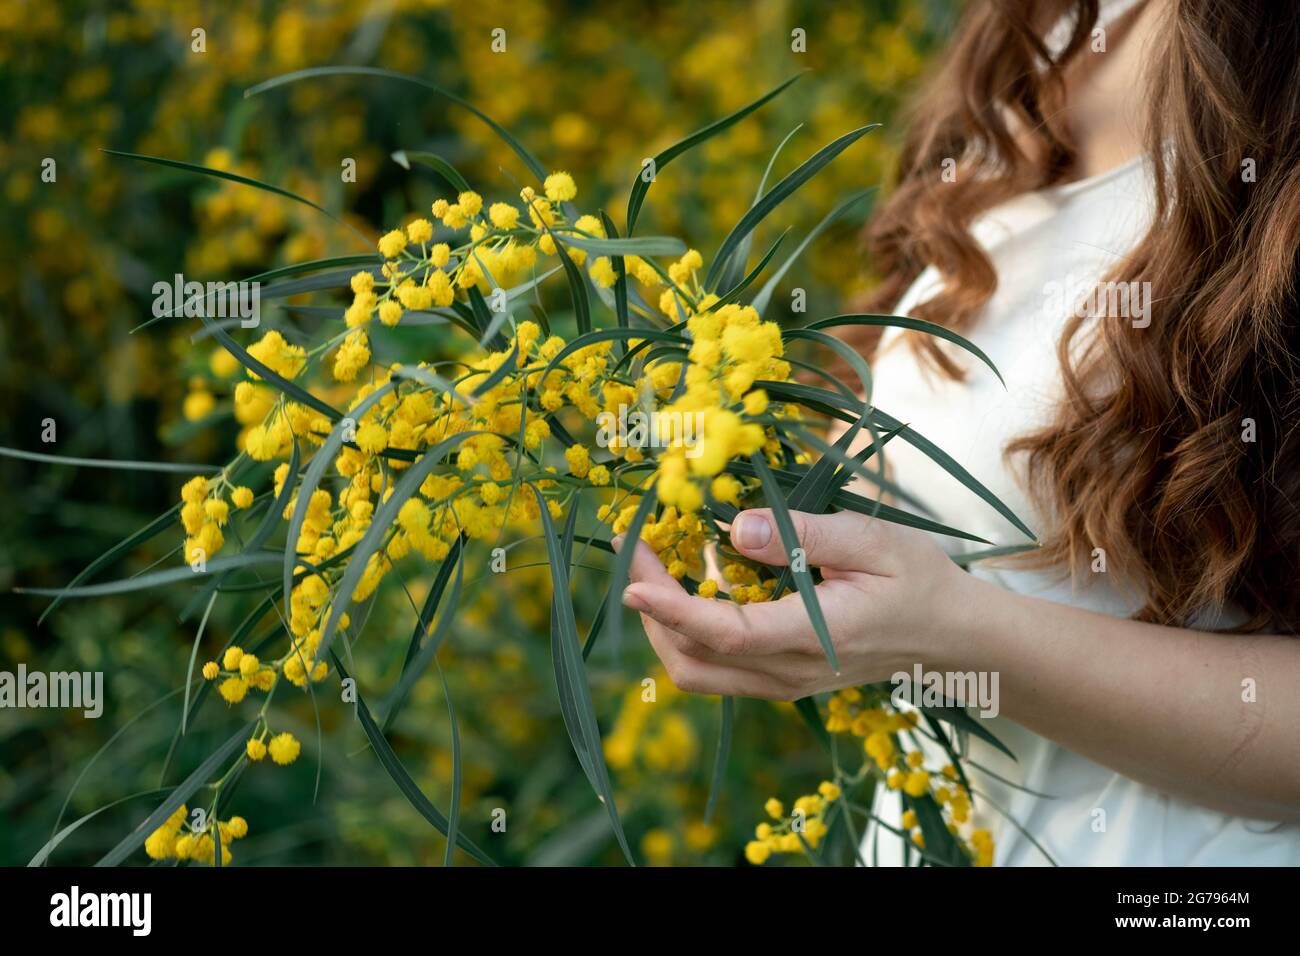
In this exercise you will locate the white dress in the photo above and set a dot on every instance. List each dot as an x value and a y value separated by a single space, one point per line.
1068 234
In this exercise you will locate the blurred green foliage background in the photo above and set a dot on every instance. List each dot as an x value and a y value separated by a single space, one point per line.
590 87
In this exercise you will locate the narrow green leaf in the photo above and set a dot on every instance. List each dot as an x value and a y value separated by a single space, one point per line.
620 282
565 643
939 841
855 361
382 521
790 539
296 392
807 709
638 246
201 775
915 325
765 294
53 842
446 170
962 720
948 464
408 787
147 533
221 174
732 294
988 554
157 578
529 160
320 461
423 619
606 335
194 653
735 268
453 815
296 268
577 288
428 652
778 194
720 758
170 467
622 568
641 185
877 509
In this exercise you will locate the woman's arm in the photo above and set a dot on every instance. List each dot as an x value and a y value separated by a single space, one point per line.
1167 706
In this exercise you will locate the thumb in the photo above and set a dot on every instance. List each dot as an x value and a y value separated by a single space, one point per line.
837 540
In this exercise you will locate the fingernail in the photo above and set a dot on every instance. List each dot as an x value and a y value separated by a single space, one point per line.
751 531
616 542
635 601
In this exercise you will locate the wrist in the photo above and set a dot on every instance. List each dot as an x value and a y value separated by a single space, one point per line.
976 619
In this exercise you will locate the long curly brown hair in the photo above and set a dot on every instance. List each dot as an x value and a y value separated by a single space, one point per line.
1145 457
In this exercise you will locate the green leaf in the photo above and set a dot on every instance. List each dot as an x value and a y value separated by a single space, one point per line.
501 371
423 618
878 509
988 554
735 268
807 709
732 294
446 170
296 268
622 568
147 533
155 579
940 844
408 787
720 758
528 159
620 282
382 521
202 773
959 718
296 392
832 404
778 194
790 539
639 246
941 735
640 186
320 461
948 464
822 488
606 335
432 379
429 651
765 294
564 642
453 815
222 174
171 467
855 360
43 854
577 288
915 325
194 653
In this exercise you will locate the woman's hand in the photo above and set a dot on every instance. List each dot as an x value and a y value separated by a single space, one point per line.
890 596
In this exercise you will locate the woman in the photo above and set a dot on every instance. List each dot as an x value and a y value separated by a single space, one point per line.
1149 676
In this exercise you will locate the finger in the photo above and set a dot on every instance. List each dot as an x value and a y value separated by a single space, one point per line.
763 628
695 676
646 565
843 540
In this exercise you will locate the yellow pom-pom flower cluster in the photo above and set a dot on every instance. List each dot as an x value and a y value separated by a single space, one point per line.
690 402
177 839
802 829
